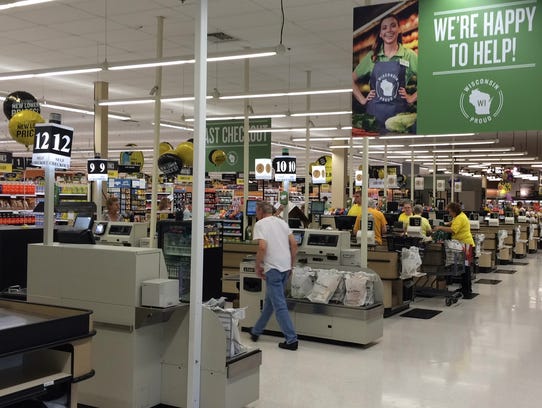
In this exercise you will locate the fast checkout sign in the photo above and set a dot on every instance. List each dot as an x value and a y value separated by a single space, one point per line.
480 64
225 144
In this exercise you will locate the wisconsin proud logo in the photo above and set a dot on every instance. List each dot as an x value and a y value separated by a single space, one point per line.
481 101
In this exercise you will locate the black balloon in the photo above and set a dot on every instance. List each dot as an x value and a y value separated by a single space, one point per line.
170 164
18 101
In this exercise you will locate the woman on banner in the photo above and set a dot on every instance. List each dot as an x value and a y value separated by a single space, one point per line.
390 66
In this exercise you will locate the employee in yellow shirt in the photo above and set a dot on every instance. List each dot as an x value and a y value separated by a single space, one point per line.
406 214
355 210
426 227
460 225
379 221
460 230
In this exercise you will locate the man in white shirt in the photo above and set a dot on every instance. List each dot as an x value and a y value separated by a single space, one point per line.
275 259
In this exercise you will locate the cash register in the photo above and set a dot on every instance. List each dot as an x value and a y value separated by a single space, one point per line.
474 221
120 233
321 246
414 228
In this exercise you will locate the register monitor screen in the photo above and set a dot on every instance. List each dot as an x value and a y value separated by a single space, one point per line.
83 223
298 236
345 222
325 240
251 208
317 207
392 206
294 223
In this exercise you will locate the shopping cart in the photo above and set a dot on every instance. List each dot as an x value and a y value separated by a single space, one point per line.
453 255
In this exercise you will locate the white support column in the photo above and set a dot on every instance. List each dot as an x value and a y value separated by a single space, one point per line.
246 149
157 112
434 203
364 200
198 210
386 173
412 176
307 146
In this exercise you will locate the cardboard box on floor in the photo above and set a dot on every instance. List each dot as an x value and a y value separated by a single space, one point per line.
486 260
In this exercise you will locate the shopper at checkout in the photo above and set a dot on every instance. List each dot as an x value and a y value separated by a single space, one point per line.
425 225
460 230
275 258
113 210
379 221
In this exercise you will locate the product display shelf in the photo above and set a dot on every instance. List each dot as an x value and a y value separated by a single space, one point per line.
232 230
44 350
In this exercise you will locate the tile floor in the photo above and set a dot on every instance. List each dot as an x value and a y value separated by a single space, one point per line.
484 352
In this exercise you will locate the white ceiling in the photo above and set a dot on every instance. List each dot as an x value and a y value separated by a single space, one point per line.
318 35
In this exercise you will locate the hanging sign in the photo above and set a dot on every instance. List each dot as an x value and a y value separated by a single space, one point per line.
97 169
284 167
318 174
112 168
358 181
418 183
392 180
6 162
263 169
457 186
52 145
441 185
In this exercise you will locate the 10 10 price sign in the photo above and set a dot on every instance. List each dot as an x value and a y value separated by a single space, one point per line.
284 167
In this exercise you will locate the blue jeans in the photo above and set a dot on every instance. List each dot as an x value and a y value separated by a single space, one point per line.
275 300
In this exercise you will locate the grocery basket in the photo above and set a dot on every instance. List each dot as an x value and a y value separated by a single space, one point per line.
454 265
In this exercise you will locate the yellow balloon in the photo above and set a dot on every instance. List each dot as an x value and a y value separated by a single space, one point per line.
164 147
217 157
22 126
185 151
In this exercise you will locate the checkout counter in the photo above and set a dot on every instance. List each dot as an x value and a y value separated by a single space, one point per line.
140 353
321 249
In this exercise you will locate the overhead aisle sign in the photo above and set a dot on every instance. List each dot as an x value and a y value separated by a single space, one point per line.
52 145
480 65
461 67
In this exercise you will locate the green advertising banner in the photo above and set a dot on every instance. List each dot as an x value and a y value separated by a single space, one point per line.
480 64
225 144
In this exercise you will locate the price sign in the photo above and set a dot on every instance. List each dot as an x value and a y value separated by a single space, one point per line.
52 145
262 169
318 174
97 169
284 167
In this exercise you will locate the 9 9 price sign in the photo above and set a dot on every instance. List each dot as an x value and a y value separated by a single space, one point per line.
52 145
97 169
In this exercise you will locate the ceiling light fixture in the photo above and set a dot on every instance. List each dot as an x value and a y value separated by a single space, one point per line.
116 66
22 3
173 125
286 93
81 109
40 73
477 142
287 130
501 149
324 113
425 136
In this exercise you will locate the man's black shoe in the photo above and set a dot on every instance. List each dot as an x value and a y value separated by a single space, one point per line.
254 337
288 346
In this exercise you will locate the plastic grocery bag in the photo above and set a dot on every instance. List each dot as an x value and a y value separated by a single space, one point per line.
326 283
410 261
356 289
340 292
501 235
302 282
230 321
